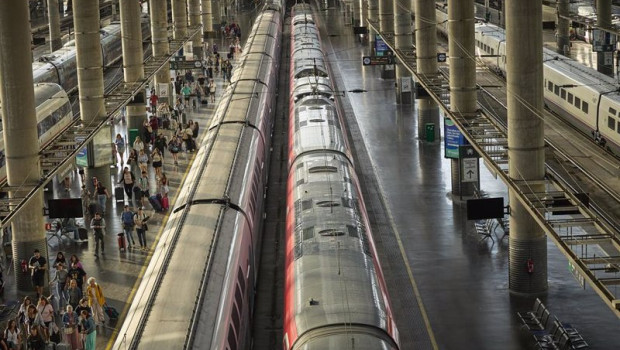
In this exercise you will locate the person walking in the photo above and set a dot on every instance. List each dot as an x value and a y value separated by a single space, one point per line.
128 225
96 300
102 196
37 265
143 182
45 309
212 88
141 227
157 162
119 142
98 226
174 147
85 195
13 336
153 99
69 322
89 330
74 293
143 160
60 278
127 180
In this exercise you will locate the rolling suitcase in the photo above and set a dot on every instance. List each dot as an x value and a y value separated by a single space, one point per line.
121 241
63 346
92 209
165 203
111 312
155 203
119 194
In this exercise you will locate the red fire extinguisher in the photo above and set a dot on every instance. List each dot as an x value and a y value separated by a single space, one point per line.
24 265
530 266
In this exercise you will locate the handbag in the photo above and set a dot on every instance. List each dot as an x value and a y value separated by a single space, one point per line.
68 330
145 227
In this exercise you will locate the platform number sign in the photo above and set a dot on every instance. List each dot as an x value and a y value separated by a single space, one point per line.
442 57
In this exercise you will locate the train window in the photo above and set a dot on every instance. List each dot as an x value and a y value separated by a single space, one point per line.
550 86
308 233
556 90
240 279
300 165
331 232
584 107
347 202
323 169
327 204
352 231
232 340
303 123
563 94
236 317
239 298
301 182
570 98
612 111
307 204
611 123
577 102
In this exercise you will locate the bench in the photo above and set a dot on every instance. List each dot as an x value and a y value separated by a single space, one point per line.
485 228
561 336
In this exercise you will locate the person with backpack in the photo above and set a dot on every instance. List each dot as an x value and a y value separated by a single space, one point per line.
98 226
128 179
141 227
128 225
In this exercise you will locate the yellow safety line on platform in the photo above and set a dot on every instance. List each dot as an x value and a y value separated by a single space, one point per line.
148 260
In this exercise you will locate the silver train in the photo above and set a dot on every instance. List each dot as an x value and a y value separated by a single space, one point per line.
198 290
60 66
585 98
54 114
335 293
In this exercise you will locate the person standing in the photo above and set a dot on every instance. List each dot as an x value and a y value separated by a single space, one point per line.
74 293
128 224
45 309
143 182
89 330
60 278
85 195
98 226
37 265
153 99
186 92
96 300
140 219
13 336
212 88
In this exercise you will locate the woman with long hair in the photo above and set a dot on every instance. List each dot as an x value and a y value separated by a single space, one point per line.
72 336
12 336
96 300
45 309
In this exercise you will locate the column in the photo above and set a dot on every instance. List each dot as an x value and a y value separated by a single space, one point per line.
604 59
461 42
207 20
20 133
54 25
373 19
195 21
179 18
426 59
526 142
90 82
563 29
403 29
357 12
133 66
386 23
161 47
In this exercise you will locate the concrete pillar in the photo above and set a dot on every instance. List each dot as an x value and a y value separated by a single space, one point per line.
114 12
207 20
426 59
54 25
195 20
386 24
604 60
133 67
563 29
357 13
89 67
161 47
373 18
179 18
403 29
526 144
20 133
461 42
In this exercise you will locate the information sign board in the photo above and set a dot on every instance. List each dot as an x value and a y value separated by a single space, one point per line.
453 139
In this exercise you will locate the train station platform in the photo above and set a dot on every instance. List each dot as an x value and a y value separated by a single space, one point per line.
448 288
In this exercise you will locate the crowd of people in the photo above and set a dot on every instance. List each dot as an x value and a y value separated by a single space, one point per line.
70 315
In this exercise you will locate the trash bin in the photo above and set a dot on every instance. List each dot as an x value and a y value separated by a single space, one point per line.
133 133
430 132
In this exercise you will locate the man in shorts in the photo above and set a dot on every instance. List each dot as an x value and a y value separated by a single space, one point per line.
37 271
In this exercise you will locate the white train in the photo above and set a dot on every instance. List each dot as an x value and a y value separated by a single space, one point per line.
60 66
587 99
54 114
335 294
198 290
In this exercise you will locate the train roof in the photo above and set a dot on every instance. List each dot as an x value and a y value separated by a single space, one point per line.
577 71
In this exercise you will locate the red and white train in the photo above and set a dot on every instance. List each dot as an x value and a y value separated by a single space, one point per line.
335 293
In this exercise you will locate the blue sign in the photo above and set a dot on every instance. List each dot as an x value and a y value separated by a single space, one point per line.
81 159
380 46
453 139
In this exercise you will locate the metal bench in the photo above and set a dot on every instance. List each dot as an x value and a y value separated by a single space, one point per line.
485 228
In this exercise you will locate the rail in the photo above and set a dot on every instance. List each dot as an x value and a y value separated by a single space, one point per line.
491 143
63 149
